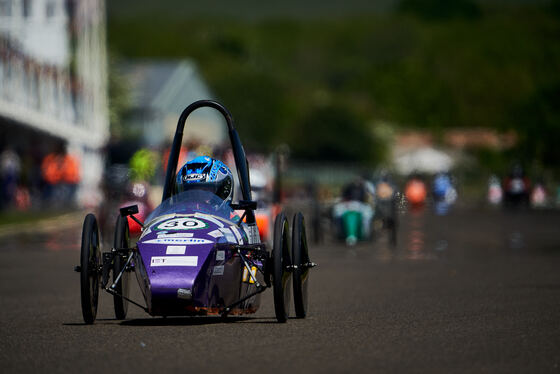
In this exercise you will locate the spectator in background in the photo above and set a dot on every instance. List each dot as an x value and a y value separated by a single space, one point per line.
10 168
71 175
143 165
354 191
61 173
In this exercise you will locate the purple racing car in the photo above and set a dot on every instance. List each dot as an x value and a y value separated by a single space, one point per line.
197 254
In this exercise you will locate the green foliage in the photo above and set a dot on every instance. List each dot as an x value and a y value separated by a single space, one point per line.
491 161
119 98
454 64
333 134
143 165
255 97
539 120
555 7
441 9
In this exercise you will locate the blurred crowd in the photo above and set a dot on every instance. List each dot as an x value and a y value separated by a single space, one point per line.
31 180
49 176
367 205
136 177
518 189
515 188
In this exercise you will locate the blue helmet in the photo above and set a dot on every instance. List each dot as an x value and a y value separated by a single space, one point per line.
206 173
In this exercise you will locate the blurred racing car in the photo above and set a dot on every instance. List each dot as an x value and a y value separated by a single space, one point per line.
386 217
539 195
196 255
444 193
415 191
353 213
517 187
495 192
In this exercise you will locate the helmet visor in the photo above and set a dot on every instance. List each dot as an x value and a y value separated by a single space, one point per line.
221 189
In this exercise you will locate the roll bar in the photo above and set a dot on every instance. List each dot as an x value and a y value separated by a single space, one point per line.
241 163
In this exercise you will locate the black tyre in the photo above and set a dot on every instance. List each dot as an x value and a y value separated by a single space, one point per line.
281 268
90 260
122 240
300 258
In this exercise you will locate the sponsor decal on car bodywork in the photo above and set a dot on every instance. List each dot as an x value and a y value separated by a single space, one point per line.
229 235
214 219
252 233
220 255
182 223
189 241
218 270
237 234
216 234
175 249
174 261
164 234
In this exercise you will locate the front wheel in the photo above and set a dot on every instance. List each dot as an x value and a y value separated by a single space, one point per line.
122 239
90 260
281 268
300 258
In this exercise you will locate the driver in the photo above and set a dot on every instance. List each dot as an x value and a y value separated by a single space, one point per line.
206 173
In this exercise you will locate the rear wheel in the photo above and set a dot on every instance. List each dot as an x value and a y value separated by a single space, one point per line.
300 258
122 239
90 260
281 271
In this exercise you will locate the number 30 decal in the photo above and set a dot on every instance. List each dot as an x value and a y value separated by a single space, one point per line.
182 224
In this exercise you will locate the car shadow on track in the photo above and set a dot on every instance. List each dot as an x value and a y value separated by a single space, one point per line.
177 321
183 321
98 321
197 321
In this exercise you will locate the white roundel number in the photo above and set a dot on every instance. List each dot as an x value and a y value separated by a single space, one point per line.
182 224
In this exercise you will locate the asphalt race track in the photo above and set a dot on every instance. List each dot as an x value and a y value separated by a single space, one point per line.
473 291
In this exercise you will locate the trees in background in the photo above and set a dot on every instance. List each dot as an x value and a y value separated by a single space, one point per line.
318 83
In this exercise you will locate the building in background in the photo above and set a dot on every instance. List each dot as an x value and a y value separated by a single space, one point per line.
53 82
159 91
